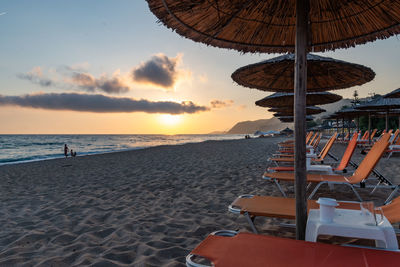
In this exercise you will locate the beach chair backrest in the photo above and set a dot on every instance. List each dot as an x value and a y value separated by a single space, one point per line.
327 147
392 210
308 137
371 159
346 137
313 138
364 137
316 142
398 137
393 139
351 147
373 133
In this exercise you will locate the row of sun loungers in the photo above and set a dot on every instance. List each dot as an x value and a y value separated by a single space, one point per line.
229 248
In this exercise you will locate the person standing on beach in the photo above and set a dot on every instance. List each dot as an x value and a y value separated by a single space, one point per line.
65 150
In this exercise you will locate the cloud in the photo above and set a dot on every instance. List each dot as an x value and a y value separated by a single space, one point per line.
36 76
89 83
160 70
98 103
220 103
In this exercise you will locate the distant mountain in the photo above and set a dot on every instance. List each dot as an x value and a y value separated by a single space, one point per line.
274 124
250 127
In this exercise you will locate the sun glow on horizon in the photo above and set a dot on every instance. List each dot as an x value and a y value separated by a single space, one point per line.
170 120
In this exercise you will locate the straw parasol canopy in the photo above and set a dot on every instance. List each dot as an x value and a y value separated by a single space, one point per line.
291 118
323 74
288 111
380 103
310 110
269 26
286 99
393 94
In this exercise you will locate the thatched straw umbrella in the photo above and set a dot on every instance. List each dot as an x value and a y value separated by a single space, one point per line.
381 104
291 118
351 113
278 100
276 26
393 94
288 111
323 74
310 110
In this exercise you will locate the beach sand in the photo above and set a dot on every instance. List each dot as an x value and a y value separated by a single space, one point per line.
147 207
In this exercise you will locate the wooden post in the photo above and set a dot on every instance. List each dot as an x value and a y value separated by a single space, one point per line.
337 125
387 120
369 126
343 128
300 86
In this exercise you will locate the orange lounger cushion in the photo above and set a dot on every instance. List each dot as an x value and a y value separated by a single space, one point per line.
279 207
250 250
314 178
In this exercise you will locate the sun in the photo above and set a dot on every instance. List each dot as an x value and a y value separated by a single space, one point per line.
170 120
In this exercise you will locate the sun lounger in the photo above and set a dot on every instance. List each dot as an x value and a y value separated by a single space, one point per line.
314 141
360 174
318 158
394 146
326 168
232 249
291 141
277 207
367 138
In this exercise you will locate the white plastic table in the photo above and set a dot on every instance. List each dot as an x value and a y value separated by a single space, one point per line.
351 223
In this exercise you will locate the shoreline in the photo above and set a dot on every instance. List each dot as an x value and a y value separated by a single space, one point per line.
44 158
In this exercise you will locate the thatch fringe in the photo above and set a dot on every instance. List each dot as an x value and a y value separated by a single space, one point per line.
278 100
269 25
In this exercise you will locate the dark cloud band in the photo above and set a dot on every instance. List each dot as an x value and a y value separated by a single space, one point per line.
99 103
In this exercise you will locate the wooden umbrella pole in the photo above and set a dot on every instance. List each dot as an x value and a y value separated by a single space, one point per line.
343 128
369 125
337 125
387 120
300 85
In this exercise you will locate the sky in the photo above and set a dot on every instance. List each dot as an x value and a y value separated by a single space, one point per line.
108 67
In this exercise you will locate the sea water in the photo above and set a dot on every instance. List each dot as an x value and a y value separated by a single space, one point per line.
24 148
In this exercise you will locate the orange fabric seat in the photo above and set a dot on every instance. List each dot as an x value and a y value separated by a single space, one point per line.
248 250
321 156
279 207
342 165
361 173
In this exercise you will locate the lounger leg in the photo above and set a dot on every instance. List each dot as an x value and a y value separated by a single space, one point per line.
355 192
280 188
308 186
392 194
315 189
250 221
376 187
